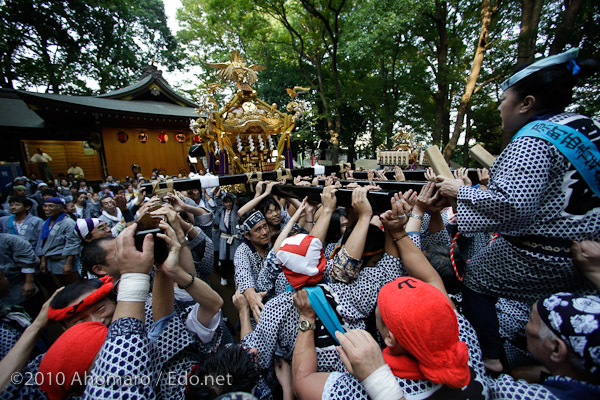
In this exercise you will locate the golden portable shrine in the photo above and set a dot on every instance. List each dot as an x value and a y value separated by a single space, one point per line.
244 130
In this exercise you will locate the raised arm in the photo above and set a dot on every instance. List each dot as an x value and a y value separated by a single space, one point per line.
186 259
355 244
308 382
180 206
257 199
18 356
210 302
290 225
329 204
127 338
427 202
134 267
414 260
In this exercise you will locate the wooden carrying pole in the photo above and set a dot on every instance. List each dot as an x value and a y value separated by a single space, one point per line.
440 167
380 201
482 156
411 176
388 186
206 181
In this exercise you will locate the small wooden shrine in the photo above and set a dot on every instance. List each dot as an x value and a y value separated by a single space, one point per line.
405 153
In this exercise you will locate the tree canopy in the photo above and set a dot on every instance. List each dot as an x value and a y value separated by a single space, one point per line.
378 67
64 45
375 67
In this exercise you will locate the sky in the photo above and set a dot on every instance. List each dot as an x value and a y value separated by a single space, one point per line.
176 78
171 7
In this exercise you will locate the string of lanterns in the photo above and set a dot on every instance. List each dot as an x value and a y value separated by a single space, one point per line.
162 137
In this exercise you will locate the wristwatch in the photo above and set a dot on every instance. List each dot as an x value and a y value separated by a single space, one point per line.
306 325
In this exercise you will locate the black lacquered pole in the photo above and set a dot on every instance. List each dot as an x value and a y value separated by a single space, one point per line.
222 180
389 186
412 175
380 201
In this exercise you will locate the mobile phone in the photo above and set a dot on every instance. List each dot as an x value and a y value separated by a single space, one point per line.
161 250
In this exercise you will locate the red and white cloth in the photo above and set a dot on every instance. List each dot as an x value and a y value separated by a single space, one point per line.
302 260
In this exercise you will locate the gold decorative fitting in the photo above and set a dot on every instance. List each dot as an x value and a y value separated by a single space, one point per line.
246 124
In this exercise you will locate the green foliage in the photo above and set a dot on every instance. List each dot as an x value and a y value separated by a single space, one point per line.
587 98
378 66
389 61
63 44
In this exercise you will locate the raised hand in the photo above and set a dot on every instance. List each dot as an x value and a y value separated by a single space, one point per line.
359 352
427 201
398 174
176 201
463 173
171 265
360 202
484 176
430 175
129 259
395 219
448 187
328 198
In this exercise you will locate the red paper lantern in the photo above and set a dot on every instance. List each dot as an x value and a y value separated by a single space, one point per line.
122 137
143 137
162 137
180 137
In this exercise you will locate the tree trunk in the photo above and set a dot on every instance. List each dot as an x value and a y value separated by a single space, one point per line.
441 127
467 136
566 27
53 79
388 117
373 144
530 20
331 26
8 74
335 142
325 102
487 12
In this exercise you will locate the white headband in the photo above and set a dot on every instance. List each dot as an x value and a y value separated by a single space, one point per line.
541 64
251 221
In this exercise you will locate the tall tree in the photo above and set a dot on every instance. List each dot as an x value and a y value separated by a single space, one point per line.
530 19
315 37
386 70
64 44
487 12
441 97
566 26
399 64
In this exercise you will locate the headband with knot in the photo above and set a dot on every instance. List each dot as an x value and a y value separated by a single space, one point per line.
556 59
84 226
423 322
59 314
55 200
251 221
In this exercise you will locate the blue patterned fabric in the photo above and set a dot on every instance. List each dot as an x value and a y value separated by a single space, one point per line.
126 366
533 191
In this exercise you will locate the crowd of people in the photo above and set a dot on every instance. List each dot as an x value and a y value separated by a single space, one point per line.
460 291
